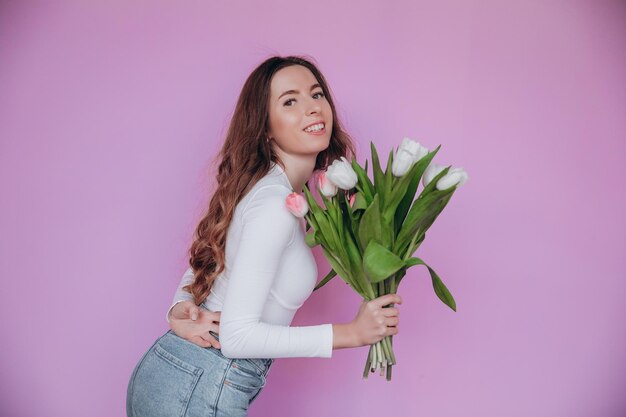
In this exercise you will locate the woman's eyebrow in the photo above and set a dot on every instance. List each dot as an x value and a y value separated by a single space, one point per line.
296 91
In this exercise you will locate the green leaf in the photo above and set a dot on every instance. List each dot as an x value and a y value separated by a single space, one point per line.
403 191
440 289
337 266
379 177
329 208
326 279
379 263
313 206
351 219
334 215
360 203
370 226
356 265
364 182
329 235
316 229
310 240
388 179
423 215
426 205
430 219
413 261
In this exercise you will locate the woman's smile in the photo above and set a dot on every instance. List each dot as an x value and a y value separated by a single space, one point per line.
316 129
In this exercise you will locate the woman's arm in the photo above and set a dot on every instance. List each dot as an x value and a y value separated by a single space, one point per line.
268 229
181 295
344 336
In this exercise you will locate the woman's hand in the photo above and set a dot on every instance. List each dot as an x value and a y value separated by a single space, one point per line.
193 323
374 322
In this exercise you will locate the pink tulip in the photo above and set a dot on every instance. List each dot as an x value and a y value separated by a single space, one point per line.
327 188
297 204
352 198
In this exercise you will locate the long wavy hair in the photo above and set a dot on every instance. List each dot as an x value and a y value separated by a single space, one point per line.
246 157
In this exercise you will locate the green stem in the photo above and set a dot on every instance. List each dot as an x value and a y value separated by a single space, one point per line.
384 349
387 342
368 363
374 356
390 354
409 249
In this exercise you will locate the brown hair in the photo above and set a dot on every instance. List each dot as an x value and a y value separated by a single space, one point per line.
246 157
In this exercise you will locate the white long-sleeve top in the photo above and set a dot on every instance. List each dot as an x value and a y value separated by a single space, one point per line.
269 273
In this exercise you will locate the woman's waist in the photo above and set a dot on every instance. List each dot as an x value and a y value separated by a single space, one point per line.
262 364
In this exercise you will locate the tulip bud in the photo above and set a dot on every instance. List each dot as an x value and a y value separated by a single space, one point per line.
297 204
326 187
352 199
341 174
452 177
414 148
431 172
402 162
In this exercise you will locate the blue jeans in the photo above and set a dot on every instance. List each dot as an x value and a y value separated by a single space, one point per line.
177 378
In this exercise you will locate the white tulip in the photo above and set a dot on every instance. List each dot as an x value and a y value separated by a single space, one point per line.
431 172
341 174
416 150
408 153
452 177
402 162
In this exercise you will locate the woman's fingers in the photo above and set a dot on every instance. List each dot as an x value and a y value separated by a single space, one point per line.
392 321
390 312
211 339
200 341
213 315
391 331
197 325
189 310
386 300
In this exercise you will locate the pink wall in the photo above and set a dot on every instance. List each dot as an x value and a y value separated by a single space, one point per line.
110 113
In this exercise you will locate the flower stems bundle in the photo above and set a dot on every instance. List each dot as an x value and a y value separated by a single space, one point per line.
369 230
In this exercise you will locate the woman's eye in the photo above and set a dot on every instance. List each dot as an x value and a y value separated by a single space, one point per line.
286 103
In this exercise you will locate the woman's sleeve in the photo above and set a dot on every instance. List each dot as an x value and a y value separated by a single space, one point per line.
181 295
268 228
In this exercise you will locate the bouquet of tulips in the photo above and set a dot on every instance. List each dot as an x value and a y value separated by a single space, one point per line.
369 230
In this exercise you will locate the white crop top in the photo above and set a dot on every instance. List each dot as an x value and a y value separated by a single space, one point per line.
269 273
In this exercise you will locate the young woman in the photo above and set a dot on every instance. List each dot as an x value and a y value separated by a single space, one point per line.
250 268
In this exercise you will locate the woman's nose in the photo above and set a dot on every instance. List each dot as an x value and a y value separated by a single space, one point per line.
314 107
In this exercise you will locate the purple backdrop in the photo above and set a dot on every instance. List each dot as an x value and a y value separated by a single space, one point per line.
111 112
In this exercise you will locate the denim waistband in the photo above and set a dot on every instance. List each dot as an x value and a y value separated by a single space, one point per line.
262 363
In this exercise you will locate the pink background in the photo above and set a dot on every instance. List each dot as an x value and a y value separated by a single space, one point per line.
110 114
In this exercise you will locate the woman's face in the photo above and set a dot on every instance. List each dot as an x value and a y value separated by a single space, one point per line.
296 102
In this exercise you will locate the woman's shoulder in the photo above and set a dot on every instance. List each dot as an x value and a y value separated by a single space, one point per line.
267 197
264 214
274 185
